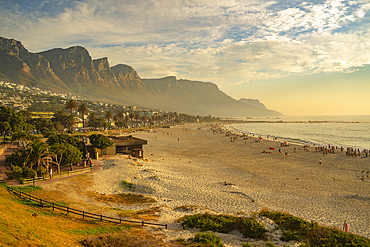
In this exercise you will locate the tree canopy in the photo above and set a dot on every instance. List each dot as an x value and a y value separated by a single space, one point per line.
65 139
12 121
65 154
100 141
71 105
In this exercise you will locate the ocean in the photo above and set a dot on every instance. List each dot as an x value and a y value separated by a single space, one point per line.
345 131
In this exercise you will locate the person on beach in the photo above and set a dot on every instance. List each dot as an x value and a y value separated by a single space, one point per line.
320 162
51 173
345 226
363 175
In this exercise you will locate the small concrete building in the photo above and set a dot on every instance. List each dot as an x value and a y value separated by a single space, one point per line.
122 145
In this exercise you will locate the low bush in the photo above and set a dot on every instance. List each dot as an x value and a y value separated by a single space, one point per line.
208 238
312 234
249 227
216 223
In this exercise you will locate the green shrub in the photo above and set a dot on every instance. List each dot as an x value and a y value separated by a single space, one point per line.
269 244
127 185
208 238
216 223
41 173
249 227
289 236
249 245
29 173
312 234
17 171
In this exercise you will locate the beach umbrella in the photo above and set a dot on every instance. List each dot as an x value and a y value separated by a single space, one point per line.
271 148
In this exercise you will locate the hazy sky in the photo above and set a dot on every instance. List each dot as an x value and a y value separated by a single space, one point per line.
299 58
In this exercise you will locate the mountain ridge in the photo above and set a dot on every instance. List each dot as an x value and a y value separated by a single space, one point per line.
74 70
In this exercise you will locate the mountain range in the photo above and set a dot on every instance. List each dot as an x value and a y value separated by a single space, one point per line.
72 70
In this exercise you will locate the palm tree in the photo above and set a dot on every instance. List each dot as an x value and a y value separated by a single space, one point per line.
126 119
40 155
108 115
144 118
131 116
69 122
70 105
83 110
92 115
137 117
120 115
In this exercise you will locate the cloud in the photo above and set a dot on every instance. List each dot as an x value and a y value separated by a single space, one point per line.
223 41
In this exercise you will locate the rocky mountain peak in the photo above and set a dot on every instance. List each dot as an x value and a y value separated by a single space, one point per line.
127 77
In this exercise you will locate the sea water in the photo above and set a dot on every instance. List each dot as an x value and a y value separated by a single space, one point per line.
345 131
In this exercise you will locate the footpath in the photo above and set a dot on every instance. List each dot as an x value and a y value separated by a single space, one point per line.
97 165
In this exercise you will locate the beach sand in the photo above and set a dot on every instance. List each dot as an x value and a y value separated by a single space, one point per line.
189 165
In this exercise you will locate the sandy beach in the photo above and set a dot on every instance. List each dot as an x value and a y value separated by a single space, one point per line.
189 165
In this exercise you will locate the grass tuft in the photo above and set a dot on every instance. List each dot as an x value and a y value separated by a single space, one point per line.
101 230
127 198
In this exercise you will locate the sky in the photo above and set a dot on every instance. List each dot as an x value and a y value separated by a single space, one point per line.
297 57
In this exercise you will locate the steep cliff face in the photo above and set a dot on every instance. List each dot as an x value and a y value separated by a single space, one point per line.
75 67
102 67
127 77
254 102
33 68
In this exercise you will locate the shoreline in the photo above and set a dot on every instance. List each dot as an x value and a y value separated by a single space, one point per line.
234 128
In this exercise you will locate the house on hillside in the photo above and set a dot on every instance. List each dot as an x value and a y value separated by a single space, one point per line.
121 145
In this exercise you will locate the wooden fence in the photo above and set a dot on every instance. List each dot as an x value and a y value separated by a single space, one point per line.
37 179
82 213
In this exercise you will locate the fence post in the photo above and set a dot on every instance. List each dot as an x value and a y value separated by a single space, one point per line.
142 223
83 214
40 201
166 226
67 209
33 181
120 220
53 206
101 217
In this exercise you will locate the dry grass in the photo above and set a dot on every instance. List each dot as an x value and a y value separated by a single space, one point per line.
127 198
23 223
189 208
145 214
29 225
